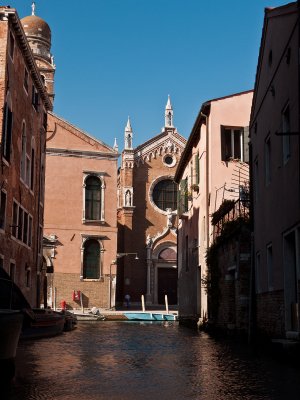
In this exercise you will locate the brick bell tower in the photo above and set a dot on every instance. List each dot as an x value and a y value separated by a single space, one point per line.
38 34
125 212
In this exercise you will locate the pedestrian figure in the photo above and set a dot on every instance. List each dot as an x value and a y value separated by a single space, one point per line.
127 300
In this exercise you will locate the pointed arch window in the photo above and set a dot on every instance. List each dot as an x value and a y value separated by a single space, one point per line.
91 259
93 198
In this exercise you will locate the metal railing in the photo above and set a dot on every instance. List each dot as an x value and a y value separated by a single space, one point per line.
239 210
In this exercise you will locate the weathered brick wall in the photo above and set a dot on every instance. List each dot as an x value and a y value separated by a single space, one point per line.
234 282
270 314
143 221
14 251
94 293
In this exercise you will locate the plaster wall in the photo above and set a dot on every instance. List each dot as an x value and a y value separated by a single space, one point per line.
71 156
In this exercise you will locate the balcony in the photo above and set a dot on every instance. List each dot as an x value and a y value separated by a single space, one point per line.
229 211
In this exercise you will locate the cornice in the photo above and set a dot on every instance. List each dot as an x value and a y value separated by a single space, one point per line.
166 143
73 129
81 154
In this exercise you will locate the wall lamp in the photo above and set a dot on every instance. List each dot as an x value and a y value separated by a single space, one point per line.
120 255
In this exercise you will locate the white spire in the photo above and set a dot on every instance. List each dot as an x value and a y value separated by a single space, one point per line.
116 147
169 113
128 135
169 105
128 126
33 8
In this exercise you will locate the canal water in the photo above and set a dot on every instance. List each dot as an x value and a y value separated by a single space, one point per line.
135 361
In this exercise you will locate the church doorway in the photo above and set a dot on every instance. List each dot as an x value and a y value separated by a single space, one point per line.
167 285
165 280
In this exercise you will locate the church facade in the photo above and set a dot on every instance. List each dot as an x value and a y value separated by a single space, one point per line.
147 216
80 217
80 196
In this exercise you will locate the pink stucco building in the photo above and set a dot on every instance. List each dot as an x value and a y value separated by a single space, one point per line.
275 166
80 217
213 167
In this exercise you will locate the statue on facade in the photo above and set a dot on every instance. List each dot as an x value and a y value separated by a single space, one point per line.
169 217
128 198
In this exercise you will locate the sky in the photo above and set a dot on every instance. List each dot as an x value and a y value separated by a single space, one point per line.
120 58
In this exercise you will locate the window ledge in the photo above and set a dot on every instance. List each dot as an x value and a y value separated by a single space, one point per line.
231 159
24 183
4 160
20 242
93 221
92 280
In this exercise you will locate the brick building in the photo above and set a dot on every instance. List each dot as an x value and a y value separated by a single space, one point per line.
23 117
229 268
147 216
274 132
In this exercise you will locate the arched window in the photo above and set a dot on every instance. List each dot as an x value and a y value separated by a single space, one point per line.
92 198
91 259
165 194
7 129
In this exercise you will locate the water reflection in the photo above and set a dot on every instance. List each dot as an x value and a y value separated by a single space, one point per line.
127 361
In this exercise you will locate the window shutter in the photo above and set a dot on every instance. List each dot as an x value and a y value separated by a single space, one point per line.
185 195
4 125
182 197
246 144
179 198
178 201
8 134
223 149
197 180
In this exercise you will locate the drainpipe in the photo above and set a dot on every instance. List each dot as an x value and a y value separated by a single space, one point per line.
207 178
207 181
252 292
298 23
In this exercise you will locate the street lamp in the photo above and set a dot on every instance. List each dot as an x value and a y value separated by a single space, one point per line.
120 255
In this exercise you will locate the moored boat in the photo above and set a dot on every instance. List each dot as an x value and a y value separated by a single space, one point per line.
10 328
70 320
82 316
149 316
45 323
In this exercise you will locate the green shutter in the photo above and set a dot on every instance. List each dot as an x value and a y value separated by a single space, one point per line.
182 197
223 148
197 169
185 195
246 144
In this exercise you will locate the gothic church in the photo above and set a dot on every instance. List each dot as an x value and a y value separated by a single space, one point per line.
147 216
